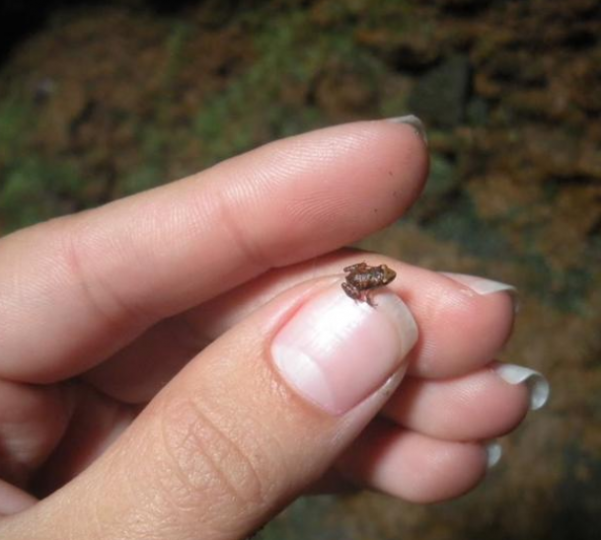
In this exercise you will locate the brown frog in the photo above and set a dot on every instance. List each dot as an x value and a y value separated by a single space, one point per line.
361 279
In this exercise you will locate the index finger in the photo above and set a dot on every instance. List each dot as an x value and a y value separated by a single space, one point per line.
75 290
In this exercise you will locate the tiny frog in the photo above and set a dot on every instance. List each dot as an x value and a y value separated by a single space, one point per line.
361 279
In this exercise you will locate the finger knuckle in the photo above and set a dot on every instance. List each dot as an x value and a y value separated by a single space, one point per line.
208 461
79 256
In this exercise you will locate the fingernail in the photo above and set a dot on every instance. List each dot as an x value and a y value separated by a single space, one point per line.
414 122
335 351
494 452
483 286
537 384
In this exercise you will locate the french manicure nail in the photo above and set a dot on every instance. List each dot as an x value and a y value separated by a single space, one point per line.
335 351
414 122
537 384
483 286
494 452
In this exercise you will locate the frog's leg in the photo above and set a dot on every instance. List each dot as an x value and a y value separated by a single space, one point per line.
351 291
369 299
359 267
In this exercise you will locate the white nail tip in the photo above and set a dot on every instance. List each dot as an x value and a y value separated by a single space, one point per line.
537 384
487 286
494 452
481 285
414 122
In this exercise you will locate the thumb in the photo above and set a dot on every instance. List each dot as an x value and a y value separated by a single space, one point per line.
247 426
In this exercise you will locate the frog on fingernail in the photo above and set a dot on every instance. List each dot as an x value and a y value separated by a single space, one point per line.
361 279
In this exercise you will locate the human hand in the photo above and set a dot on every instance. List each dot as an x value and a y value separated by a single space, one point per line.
183 363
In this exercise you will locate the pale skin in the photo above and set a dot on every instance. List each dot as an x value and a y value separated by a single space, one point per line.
100 312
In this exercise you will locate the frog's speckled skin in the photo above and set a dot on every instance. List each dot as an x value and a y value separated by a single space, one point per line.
361 279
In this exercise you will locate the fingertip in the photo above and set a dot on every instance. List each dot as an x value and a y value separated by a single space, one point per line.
414 467
477 406
409 136
388 155
345 181
414 122
462 329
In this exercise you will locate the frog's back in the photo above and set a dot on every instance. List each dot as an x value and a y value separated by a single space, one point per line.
364 280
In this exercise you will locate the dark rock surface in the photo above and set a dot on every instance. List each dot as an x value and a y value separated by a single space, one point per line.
440 96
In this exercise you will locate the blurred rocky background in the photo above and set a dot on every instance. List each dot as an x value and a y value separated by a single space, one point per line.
99 100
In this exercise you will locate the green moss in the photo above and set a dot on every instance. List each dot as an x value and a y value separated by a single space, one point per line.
175 43
290 53
442 179
24 179
140 179
35 190
153 140
16 119
381 14
224 125
303 517
393 105
461 223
